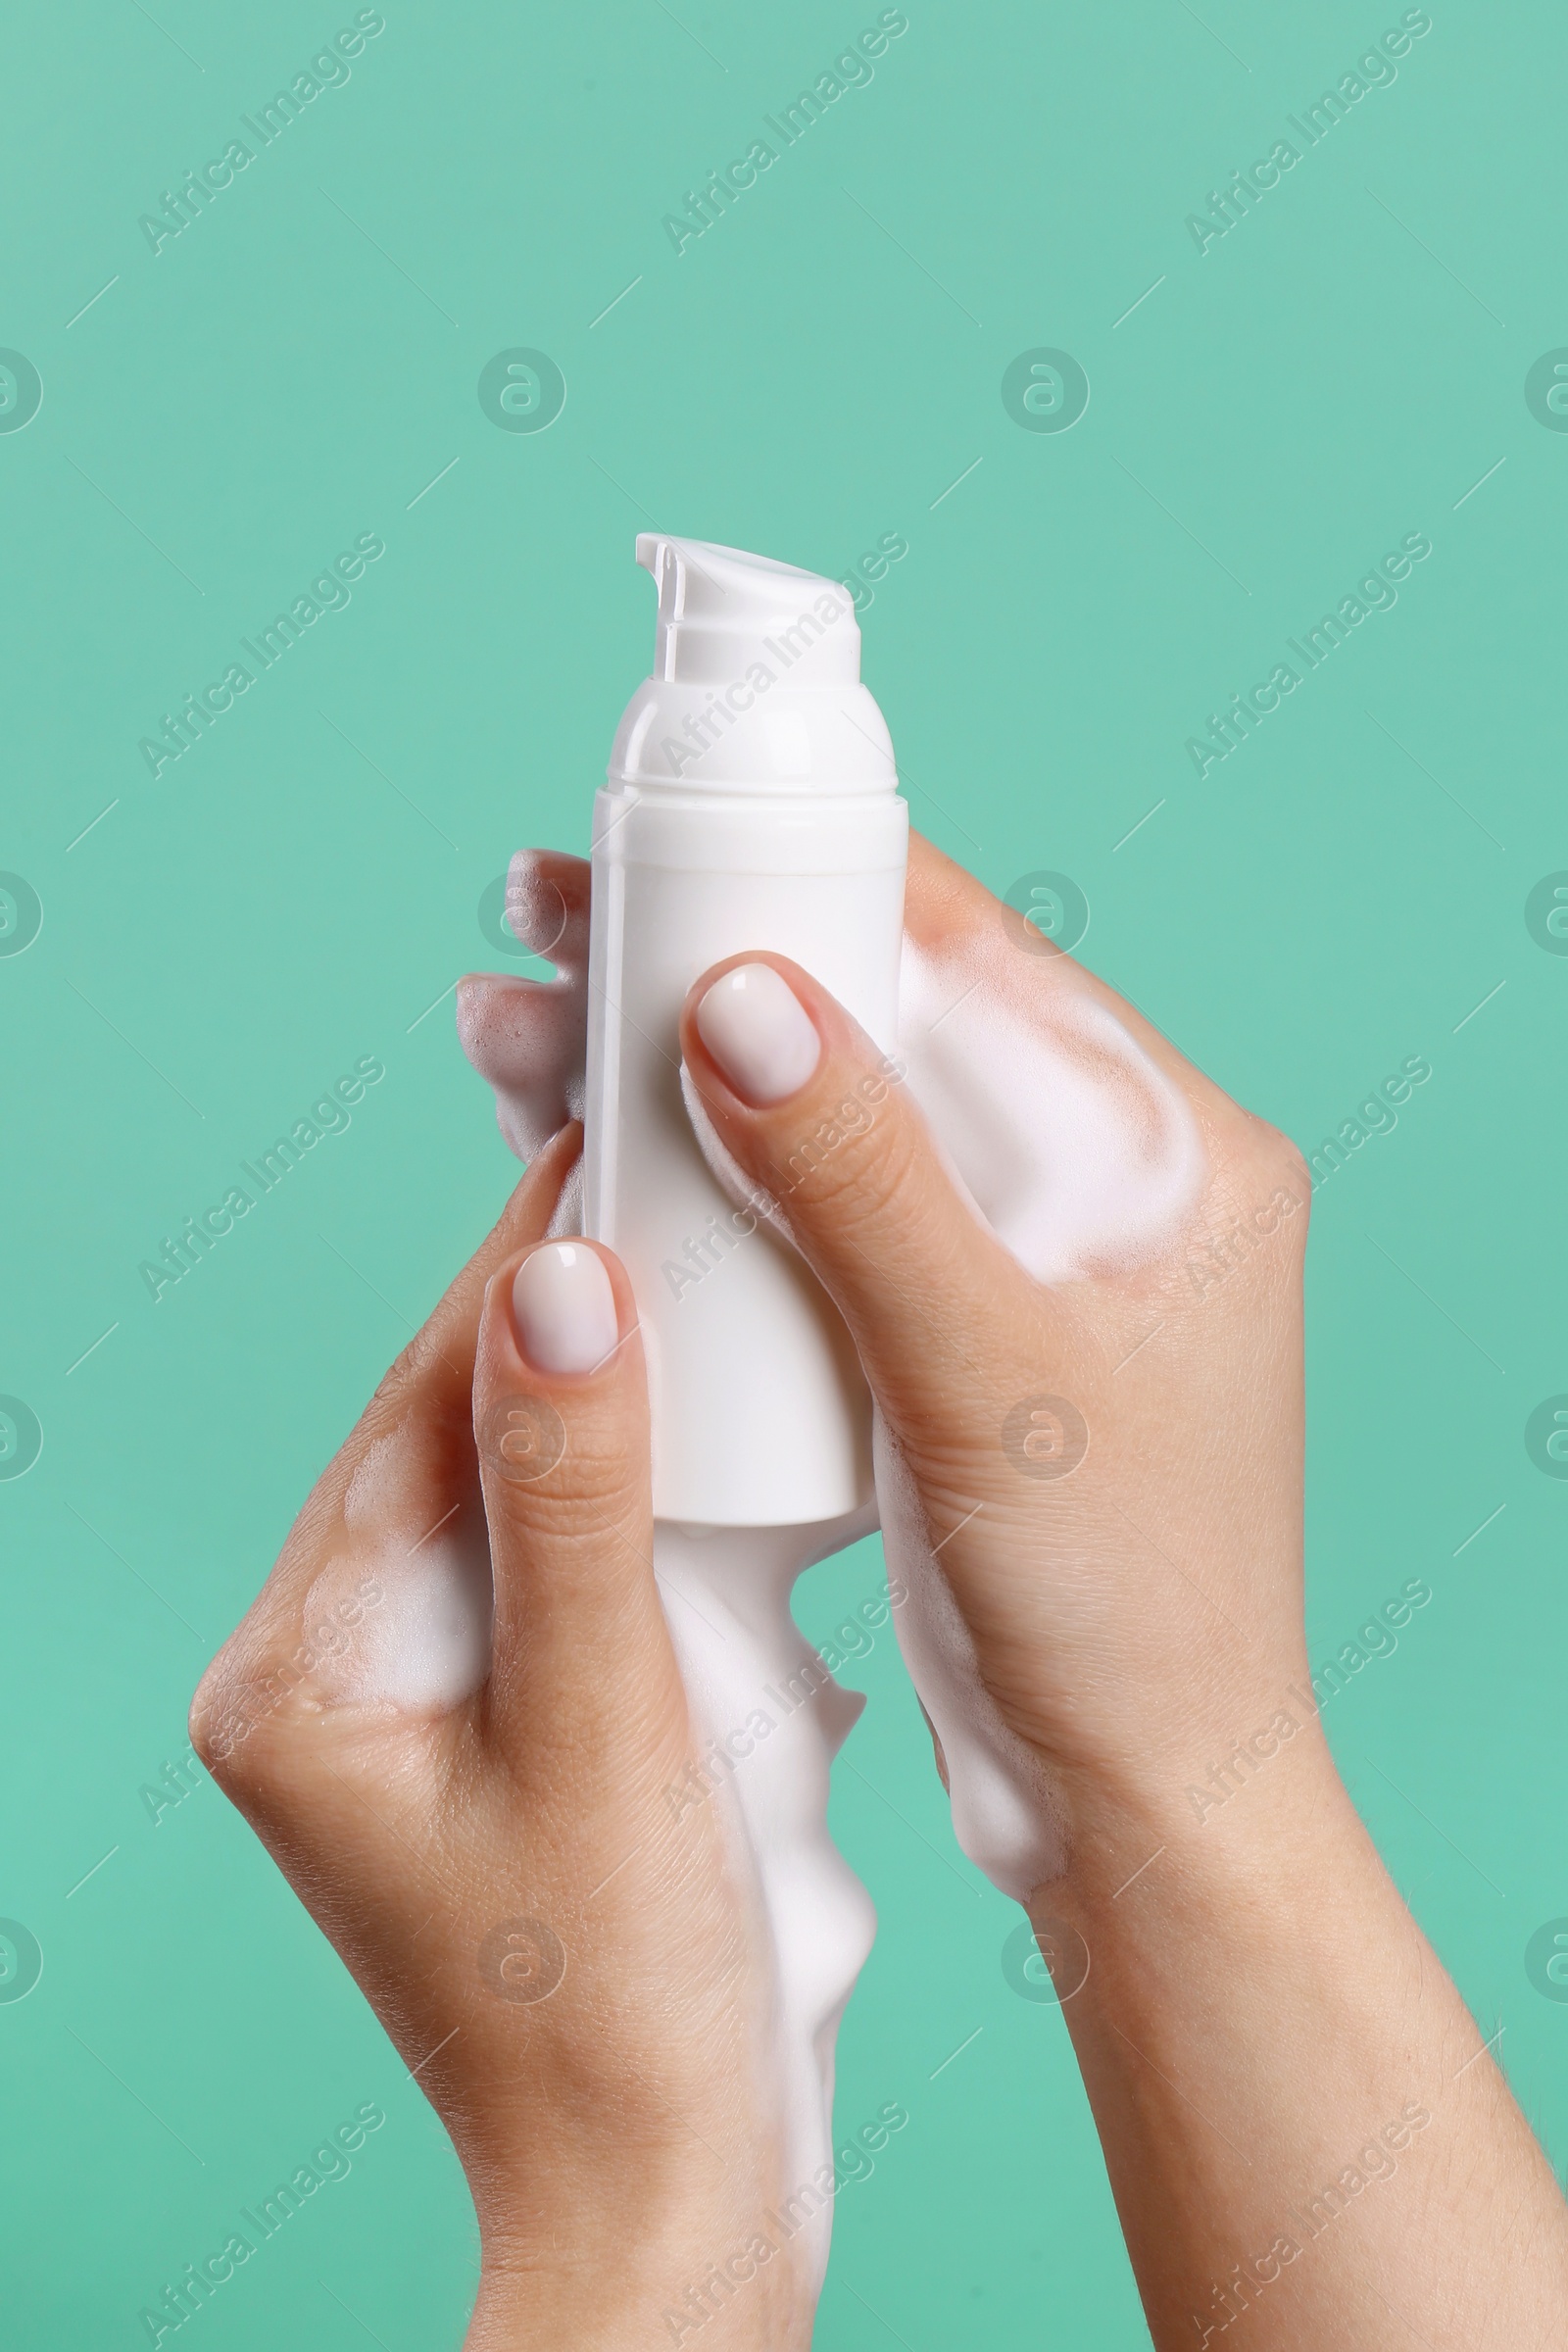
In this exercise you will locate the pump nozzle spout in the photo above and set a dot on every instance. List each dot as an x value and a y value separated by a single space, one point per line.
721 609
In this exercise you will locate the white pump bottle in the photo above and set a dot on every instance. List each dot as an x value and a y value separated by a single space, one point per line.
752 803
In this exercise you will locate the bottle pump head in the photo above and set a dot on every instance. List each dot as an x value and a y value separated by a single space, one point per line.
721 609
756 685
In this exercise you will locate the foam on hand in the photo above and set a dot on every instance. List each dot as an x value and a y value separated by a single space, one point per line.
767 1720
1083 1156
420 1640
1076 1150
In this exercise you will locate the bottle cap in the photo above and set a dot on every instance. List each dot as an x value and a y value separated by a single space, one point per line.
756 685
722 610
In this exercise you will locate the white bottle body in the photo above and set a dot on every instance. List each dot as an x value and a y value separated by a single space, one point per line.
759 1412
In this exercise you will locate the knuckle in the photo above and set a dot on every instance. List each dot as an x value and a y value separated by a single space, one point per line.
1257 1208
245 1708
853 1163
560 1476
587 1487
1279 1162
401 1375
521 1440
1255 1157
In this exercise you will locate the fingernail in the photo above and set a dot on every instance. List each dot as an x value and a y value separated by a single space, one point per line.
565 1308
760 1034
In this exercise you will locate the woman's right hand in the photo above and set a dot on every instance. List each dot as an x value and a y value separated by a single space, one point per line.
1102 1472
1090 1477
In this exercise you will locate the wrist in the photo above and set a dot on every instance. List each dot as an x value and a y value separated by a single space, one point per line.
1159 1915
621 2291
1252 1807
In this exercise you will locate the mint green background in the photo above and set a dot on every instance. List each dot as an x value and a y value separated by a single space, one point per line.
1276 414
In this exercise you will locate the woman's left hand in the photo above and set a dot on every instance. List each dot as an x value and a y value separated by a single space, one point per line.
481 1823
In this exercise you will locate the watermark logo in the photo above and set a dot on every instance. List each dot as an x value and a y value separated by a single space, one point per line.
522 1960
21 1960
183 205
498 932
329 1114
1545 390
853 69
1378 1114
20 391
1045 1437
330 592
1048 1962
20 1438
1047 910
21 914
1044 390
528 1438
1547 1959
522 390
197 2285
1375 69
1376 591
1546 1436
1545 912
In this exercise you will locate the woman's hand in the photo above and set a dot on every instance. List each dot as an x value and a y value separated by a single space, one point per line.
480 1821
1090 1475
1107 1461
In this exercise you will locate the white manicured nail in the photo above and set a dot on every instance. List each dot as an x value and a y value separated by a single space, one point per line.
565 1308
760 1034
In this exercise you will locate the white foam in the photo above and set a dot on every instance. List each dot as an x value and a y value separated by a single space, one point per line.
422 1645
744 1665
1083 1157
1004 1815
425 1645
1075 1148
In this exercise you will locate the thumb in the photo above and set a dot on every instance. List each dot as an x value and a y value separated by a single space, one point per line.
583 1676
814 1113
